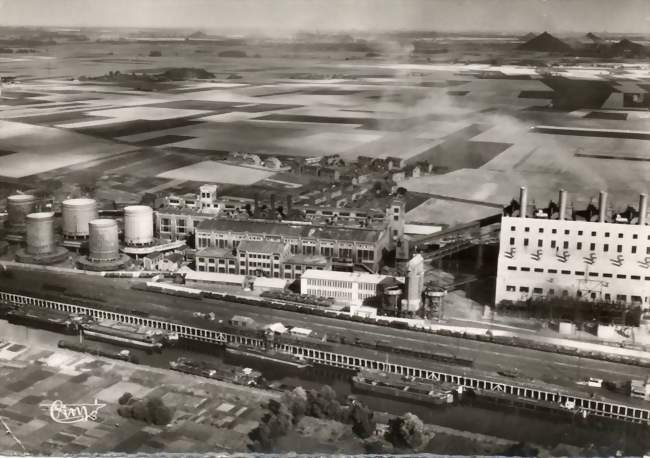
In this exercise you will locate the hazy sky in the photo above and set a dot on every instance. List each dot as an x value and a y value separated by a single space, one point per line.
631 16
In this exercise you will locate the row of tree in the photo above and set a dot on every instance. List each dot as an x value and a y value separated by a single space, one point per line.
404 433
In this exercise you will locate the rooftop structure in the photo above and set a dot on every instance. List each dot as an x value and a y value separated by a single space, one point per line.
349 288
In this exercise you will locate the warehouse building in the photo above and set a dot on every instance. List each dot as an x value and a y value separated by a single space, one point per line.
593 255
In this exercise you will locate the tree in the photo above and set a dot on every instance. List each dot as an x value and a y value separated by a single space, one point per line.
401 191
158 413
296 402
362 421
406 432
124 399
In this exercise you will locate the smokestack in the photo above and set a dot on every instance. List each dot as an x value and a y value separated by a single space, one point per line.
643 208
288 203
523 202
602 206
562 204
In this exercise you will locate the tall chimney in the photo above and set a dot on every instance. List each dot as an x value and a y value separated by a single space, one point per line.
602 206
523 202
643 208
562 204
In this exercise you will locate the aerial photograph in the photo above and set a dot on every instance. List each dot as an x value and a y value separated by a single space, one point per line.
325 227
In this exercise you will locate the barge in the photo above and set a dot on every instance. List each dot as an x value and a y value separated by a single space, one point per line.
123 355
405 388
273 356
47 319
230 374
134 336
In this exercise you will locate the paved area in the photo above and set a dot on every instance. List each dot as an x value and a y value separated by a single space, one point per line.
208 415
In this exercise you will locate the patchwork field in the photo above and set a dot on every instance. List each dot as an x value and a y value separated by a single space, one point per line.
217 172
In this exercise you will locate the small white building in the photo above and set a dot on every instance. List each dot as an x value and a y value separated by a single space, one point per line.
348 288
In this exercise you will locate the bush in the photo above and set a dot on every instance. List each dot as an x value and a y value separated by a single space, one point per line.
158 413
125 398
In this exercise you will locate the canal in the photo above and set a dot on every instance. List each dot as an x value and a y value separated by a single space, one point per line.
514 424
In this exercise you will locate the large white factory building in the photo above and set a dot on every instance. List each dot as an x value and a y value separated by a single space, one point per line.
607 259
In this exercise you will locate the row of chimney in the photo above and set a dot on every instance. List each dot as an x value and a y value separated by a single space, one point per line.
602 205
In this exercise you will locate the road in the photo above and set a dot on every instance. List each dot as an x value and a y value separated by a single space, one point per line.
544 366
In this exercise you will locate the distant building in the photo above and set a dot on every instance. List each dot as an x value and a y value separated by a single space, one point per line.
221 260
349 288
261 258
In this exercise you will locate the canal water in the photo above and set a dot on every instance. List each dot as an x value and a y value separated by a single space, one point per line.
518 425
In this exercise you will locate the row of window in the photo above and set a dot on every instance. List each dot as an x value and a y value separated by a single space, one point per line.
607 297
579 246
329 283
326 293
579 273
580 232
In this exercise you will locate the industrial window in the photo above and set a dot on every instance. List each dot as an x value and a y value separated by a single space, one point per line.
554 231
539 270
593 274
552 271
396 218
525 269
540 243
566 272
553 243
620 236
541 230
513 228
510 288
647 250
607 275
608 297
635 236
537 290
593 234
396 209
579 245
647 278
523 289
565 244
527 229
619 248
512 268
606 248
525 242
633 249
579 272
623 276
606 234
635 277
579 232
621 297
592 246
566 232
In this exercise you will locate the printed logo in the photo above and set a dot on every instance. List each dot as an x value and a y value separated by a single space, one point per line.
73 413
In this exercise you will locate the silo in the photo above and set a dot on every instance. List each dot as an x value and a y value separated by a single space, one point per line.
414 283
77 214
103 243
391 300
18 207
40 233
138 225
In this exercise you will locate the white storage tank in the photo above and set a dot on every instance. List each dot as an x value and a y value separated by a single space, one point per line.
138 225
77 215
40 233
103 243
18 207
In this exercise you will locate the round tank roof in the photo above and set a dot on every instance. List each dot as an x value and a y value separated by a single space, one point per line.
80 201
41 215
138 209
21 197
103 222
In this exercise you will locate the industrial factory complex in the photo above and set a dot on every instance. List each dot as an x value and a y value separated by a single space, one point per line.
544 253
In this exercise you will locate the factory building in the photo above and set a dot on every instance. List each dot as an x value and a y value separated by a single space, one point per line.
594 254
349 288
341 245
258 258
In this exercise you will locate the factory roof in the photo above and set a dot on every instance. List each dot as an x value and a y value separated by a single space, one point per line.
181 211
215 252
262 246
306 259
214 277
291 230
348 276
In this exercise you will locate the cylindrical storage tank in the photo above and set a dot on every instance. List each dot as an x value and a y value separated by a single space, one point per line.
103 244
18 207
77 214
40 233
138 225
